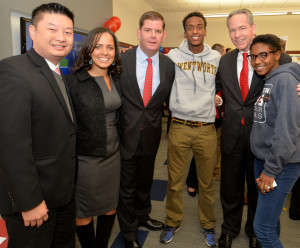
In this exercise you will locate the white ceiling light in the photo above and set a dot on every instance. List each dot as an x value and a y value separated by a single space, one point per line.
270 13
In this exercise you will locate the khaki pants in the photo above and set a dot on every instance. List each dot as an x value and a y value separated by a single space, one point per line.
217 171
203 142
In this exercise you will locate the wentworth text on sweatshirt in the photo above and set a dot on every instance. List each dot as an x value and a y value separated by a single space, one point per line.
193 92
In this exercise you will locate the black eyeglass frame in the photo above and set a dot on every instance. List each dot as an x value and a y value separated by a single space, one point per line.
262 56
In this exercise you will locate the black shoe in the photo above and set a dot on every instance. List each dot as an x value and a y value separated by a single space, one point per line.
153 225
132 244
192 194
253 242
294 216
224 241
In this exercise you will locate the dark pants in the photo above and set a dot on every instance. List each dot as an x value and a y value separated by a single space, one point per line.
295 202
134 203
57 232
235 166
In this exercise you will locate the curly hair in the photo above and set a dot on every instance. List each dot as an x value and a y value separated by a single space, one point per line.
84 56
269 39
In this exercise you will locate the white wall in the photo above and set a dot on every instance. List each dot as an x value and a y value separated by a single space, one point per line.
129 11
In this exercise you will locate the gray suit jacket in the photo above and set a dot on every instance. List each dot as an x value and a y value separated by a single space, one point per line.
134 115
37 144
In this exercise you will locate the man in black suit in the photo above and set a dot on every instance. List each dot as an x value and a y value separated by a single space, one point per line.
37 159
237 159
140 124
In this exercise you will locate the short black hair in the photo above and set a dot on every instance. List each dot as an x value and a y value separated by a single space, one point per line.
55 8
269 39
195 13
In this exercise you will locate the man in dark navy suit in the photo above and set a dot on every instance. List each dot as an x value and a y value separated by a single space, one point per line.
140 124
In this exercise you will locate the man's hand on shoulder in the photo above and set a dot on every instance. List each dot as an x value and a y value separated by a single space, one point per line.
124 49
36 216
298 89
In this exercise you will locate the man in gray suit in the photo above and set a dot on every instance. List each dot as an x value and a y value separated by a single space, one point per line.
37 145
140 123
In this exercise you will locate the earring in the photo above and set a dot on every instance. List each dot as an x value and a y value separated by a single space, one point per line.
113 63
91 62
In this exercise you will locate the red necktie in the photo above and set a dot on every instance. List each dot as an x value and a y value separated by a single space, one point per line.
148 83
244 80
57 70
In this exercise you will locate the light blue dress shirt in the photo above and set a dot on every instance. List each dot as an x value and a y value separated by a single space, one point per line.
141 68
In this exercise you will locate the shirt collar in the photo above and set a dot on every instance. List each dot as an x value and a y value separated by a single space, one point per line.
142 56
244 52
51 65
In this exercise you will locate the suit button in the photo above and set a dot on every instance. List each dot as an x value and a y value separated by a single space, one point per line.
72 134
74 157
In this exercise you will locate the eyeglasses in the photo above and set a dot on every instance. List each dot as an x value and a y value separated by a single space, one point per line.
261 56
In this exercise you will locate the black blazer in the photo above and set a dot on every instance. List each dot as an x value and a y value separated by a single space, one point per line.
235 108
134 115
88 101
37 144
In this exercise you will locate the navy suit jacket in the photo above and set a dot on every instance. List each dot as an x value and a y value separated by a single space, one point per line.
135 117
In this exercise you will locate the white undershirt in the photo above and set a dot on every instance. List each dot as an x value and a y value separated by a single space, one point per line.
51 65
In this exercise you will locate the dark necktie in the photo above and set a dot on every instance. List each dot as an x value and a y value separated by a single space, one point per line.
147 94
244 80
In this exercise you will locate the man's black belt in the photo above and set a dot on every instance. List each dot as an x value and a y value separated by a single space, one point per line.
191 123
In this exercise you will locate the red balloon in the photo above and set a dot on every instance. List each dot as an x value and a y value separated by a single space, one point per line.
111 25
116 20
166 50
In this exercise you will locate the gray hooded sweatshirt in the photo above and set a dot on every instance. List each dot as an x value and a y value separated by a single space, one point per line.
275 135
193 91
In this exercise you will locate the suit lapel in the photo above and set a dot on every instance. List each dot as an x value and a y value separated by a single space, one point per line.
39 61
255 81
132 74
235 83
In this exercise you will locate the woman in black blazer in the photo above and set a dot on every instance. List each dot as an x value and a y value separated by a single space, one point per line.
96 97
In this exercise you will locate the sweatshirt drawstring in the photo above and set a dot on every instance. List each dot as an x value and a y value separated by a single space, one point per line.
202 68
194 75
203 71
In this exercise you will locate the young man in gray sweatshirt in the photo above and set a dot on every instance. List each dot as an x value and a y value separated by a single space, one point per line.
193 114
